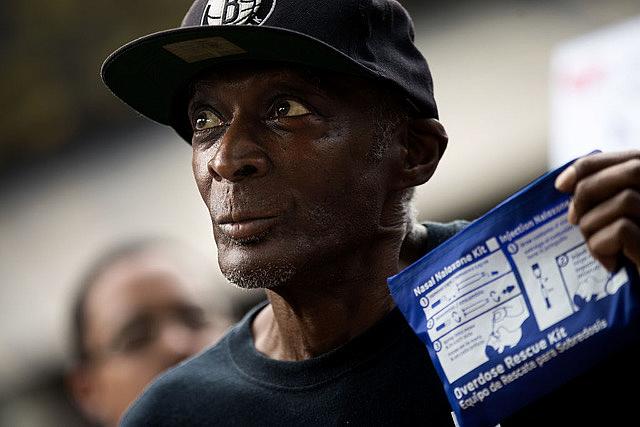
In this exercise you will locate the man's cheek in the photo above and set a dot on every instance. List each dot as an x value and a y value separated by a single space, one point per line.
202 178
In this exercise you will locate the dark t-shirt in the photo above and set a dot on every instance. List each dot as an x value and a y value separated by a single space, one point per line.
382 377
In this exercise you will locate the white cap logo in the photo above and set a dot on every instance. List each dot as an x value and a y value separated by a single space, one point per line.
237 12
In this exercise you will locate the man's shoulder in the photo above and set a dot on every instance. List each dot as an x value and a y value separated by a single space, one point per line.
438 232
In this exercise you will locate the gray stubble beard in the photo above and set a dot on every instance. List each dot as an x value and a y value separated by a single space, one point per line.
264 277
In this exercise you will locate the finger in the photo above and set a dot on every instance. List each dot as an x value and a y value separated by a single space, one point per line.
619 237
567 179
590 164
625 204
603 185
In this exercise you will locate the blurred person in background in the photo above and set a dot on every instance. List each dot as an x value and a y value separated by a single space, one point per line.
140 309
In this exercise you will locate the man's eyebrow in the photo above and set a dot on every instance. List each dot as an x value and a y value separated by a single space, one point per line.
297 88
195 92
300 82
323 85
311 78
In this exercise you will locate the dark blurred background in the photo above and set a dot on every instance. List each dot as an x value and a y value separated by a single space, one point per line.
51 56
79 170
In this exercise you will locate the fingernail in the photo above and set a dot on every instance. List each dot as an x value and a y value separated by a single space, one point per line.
567 179
571 215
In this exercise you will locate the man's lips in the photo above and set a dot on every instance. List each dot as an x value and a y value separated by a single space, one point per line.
246 228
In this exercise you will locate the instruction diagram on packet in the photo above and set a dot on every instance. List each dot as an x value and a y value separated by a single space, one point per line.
540 272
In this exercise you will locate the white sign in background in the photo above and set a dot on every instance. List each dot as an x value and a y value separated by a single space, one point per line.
595 93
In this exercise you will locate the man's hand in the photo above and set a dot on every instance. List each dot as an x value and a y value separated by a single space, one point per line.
606 204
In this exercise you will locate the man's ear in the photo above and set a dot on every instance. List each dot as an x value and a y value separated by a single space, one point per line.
424 145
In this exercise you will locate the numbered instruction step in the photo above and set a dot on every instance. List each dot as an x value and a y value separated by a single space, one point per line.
476 311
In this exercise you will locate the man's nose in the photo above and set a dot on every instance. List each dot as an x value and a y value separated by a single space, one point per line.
238 155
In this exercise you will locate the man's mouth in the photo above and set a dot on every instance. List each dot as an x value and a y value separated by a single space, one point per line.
245 229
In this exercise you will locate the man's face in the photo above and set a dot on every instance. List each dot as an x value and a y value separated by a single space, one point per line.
141 318
284 163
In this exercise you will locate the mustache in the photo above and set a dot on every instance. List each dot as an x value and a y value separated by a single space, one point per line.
236 202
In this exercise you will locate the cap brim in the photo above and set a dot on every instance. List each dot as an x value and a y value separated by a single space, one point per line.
148 73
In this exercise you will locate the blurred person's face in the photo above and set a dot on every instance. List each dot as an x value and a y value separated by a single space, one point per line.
141 318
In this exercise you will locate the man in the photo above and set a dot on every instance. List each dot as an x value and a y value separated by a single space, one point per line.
311 123
139 311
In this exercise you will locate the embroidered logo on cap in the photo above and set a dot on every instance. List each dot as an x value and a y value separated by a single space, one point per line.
237 12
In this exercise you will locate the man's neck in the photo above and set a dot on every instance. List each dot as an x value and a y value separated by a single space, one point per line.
327 307
414 245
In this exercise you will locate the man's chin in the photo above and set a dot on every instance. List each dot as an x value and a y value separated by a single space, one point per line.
268 276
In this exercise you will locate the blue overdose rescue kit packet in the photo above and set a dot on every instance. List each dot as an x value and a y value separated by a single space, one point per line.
514 306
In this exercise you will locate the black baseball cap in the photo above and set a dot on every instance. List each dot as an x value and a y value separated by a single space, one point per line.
368 38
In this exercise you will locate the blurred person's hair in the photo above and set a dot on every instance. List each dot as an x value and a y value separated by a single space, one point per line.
121 252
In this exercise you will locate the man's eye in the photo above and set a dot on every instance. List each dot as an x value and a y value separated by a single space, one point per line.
289 108
206 119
